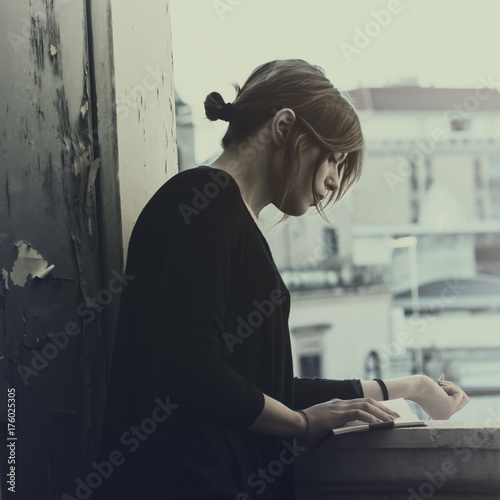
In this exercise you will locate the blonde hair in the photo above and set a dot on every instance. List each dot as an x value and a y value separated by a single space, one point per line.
324 116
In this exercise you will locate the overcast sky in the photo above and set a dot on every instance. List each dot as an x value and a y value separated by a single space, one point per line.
443 43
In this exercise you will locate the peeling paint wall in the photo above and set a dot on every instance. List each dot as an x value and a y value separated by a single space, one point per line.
49 352
87 135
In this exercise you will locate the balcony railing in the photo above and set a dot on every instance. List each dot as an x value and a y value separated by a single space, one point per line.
449 460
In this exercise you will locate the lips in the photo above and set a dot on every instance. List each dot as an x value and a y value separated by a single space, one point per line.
320 196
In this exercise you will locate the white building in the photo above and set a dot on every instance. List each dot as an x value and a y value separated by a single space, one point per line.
432 172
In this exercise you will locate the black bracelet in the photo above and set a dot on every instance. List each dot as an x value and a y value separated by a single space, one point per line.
308 424
385 392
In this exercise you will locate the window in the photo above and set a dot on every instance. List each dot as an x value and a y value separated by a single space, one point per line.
495 206
494 184
331 241
309 348
310 365
414 177
480 210
414 209
428 173
494 172
414 193
459 124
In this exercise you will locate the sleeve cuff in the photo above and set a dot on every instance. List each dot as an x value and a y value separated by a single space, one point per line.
311 391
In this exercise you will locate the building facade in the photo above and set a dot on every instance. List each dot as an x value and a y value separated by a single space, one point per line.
426 209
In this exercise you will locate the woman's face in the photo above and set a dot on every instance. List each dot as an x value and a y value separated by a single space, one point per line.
327 179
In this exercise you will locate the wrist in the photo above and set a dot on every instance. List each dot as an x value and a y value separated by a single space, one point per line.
418 386
383 388
304 424
411 387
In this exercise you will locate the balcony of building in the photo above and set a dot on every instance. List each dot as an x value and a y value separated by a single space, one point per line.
445 460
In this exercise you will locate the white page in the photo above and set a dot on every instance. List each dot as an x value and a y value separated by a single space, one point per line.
399 405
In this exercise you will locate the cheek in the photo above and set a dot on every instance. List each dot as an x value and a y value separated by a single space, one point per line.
321 176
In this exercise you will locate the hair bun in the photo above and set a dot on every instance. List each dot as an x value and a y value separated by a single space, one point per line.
216 108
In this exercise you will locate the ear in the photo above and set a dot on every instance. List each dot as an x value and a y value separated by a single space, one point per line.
280 125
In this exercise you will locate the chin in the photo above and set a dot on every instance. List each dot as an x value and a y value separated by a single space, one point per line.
295 211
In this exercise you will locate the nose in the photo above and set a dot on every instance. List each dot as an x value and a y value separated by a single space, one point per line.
332 182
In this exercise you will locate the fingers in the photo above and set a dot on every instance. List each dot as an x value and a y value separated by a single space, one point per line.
361 415
367 402
364 409
452 389
382 407
455 392
464 401
445 382
337 412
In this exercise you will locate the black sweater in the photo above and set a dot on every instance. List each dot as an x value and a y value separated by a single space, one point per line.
202 334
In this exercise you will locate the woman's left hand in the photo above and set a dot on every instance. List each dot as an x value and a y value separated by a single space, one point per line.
440 399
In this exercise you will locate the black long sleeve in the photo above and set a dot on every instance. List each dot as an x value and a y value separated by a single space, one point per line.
312 391
204 321
191 302
203 324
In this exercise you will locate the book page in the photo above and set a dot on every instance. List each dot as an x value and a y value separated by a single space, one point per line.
399 405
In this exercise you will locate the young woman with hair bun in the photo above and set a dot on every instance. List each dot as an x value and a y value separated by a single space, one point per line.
203 402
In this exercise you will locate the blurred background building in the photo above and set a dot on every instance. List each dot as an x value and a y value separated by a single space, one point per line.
408 281
407 278
185 134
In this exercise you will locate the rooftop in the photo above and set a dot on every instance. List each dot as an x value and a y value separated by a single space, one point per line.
415 98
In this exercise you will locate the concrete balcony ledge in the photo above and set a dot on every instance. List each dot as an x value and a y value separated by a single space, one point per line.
446 460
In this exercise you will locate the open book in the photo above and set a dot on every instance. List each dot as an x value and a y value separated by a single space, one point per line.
400 406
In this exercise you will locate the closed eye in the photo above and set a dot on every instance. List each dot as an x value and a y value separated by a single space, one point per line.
337 157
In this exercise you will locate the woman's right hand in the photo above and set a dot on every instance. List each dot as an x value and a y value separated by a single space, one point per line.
326 416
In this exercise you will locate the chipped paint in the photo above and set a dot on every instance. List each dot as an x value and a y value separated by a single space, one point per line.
48 201
28 263
94 168
84 109
5 276
36 37
45 273
81 166
87 172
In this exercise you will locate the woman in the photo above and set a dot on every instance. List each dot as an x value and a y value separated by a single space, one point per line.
202 398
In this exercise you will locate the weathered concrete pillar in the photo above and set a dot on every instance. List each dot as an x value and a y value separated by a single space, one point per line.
87 134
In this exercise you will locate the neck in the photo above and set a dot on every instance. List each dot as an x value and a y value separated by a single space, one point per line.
254 178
